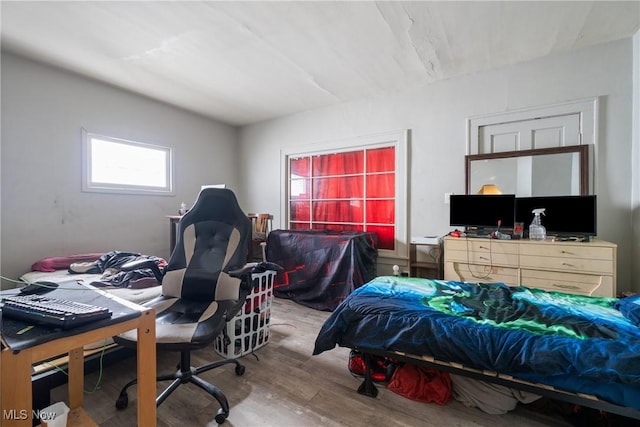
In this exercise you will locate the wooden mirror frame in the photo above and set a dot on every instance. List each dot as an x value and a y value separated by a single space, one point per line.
582 150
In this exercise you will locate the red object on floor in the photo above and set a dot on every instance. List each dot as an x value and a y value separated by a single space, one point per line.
380 369
421 384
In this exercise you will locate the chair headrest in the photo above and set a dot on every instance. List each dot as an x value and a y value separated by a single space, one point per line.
219 204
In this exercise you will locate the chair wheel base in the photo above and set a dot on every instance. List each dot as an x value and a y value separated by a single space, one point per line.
240 370
221 417
123 401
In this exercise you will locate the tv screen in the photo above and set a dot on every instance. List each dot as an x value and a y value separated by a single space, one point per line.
563 215
474 210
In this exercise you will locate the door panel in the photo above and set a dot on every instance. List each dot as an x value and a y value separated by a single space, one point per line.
547 132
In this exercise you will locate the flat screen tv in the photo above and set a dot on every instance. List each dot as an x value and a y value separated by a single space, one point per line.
563 215
475 210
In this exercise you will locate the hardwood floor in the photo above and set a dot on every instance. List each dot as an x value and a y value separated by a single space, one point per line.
284 385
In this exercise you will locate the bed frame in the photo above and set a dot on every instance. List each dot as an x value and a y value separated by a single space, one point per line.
368 387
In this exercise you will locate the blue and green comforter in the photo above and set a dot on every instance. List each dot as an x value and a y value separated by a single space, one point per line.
578 343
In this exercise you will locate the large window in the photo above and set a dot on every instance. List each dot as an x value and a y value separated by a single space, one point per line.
120 166
357 186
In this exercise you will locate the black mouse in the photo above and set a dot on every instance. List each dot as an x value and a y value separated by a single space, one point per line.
38 288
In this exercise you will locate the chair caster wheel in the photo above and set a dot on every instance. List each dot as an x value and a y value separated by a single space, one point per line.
221 416
240 370
123 401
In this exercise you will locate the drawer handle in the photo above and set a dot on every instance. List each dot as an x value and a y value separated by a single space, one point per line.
566 252
482 247
484 258
565 286
567 264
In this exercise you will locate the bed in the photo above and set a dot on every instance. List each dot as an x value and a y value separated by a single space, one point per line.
100 270
580 349
136 295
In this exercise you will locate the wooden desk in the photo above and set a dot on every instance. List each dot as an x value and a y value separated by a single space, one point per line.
16 366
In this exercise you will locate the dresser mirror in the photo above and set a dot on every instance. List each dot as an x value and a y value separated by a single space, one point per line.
560 171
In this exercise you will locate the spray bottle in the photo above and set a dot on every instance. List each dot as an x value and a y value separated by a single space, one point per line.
536 229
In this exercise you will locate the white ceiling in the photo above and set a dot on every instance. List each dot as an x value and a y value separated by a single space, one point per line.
244 62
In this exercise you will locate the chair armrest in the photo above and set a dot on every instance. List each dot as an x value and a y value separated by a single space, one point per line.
248 269
255 267
244 274
261 267
242 271
143 263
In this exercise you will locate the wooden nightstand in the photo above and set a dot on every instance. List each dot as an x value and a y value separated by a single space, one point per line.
425 257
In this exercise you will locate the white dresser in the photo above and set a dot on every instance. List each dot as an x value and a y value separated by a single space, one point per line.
587 268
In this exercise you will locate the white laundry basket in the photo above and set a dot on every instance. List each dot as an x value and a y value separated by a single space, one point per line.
249 329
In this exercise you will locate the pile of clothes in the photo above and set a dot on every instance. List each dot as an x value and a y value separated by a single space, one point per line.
109 265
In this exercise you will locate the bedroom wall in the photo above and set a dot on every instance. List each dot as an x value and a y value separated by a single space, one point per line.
436 115
44 211
635 159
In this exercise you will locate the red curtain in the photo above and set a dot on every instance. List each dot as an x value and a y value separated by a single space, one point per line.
381 160
329 191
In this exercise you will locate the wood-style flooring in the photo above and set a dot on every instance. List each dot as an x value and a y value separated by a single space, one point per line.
284 385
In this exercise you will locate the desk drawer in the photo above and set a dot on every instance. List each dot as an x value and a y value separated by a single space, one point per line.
572 283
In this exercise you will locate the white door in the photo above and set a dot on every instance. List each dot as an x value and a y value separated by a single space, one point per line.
572 123
546 132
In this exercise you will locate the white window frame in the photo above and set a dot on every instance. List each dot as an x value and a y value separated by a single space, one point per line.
399 140
88 185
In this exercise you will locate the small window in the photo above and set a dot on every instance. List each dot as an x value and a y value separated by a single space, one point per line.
114 165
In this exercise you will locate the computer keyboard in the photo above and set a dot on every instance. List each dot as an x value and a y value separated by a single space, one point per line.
44 310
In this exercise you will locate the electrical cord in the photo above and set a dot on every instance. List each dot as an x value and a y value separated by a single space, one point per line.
7 279
23 282
96 387
486 276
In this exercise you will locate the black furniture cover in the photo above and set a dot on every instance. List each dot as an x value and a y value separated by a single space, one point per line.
321 267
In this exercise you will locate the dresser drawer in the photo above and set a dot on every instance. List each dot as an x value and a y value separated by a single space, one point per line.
587 268
567 264
481 245
563 250
481 251
474 273
488 258
573 283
